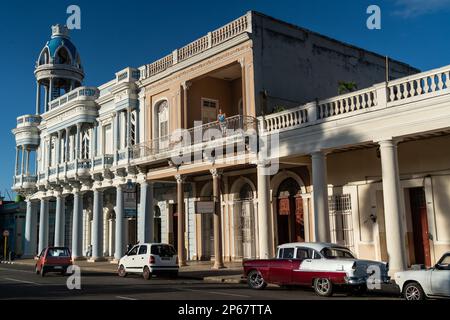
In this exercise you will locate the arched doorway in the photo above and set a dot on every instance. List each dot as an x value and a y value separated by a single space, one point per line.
207 223
290 223
244 223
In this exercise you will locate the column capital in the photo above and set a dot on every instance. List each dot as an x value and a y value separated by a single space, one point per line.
263 163
186 85
215 173
242 62
180 178
319 153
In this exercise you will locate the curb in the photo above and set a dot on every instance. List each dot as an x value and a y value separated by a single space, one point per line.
7 262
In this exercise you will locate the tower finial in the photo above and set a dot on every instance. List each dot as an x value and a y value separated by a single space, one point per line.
59 30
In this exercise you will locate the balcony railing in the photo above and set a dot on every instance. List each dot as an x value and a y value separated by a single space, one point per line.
232 127
28 121
22 179
424 85
81 93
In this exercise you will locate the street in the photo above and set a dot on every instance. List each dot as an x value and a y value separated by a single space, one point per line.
20 282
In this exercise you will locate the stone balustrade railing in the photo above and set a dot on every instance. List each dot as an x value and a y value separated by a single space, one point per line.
421 85
214 38
81 93
28 121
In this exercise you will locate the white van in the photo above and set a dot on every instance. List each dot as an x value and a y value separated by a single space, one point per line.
150 259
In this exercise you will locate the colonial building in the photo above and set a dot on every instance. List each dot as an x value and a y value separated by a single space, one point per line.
218 149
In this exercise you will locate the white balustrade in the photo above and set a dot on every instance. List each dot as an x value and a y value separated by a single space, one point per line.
431 82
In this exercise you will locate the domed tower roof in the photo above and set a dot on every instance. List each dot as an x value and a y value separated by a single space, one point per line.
59 49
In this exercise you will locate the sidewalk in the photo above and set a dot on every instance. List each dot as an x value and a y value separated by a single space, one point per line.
200 270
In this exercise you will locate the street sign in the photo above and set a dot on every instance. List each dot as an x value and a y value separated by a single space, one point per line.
6 233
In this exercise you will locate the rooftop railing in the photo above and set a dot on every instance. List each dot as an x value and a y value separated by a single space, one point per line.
212 39
423 85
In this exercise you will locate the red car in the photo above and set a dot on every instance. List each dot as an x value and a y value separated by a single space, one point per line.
324 266
53 259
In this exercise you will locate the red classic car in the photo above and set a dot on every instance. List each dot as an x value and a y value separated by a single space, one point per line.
53 259
324 266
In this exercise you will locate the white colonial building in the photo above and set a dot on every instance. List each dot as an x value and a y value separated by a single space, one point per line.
368 169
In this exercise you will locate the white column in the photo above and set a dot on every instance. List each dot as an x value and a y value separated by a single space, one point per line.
17 161
120 230
27 163
30 230
393 208
23 160
59 221
265 242
38 97
77 142
50 93
145 214
97 228
43 225
181 220
320 195
77 226
67 150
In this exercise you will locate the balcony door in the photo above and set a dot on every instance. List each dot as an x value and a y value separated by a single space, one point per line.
210 109
162 124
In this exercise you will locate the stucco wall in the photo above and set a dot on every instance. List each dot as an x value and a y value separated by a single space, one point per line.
296 65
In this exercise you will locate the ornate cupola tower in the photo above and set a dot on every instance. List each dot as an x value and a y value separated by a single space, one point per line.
58 69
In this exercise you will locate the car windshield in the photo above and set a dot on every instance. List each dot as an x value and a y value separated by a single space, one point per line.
58 252
337 253
163 250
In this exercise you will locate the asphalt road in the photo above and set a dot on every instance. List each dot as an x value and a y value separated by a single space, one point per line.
20 282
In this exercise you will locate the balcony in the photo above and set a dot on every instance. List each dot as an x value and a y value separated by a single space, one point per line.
24 182
27 131
196 139
79 94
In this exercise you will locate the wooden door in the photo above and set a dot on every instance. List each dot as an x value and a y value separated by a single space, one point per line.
420 226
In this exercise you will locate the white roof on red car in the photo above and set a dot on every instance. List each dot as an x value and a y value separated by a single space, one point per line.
318 246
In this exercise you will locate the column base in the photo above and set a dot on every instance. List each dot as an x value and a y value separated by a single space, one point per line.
97 259
114 261
218 267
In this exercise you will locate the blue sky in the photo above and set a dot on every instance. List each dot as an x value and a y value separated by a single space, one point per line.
116 34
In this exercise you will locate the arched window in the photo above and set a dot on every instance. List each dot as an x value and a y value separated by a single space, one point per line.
162 124
44 57
62 56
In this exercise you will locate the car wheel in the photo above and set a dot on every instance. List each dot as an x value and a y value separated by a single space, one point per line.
255 280
413 291
36 269
358 290
146 273
42 271
122 273
323 287
173 275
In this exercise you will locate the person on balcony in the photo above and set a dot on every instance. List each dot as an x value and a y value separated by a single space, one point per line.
221 117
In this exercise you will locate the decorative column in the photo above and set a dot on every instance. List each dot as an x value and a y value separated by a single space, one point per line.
77 142
23 160
186 85
218 255
120 230
16 172
244 86
59 221
38 97
265 241
97 232
50 94
393 208
67 150
27 162
320 195
116 136
181 222
49 151
43 225
77 225
30 230
145 215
